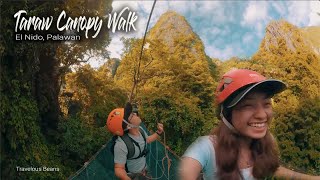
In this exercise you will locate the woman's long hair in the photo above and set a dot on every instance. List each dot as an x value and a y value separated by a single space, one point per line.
264 152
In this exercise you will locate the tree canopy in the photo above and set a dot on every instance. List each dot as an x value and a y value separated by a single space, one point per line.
55 116
31 77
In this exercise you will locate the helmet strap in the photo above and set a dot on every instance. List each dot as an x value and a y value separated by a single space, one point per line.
226 122
130 126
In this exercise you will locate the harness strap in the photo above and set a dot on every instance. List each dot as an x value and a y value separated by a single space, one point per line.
130 143
137 144
144 151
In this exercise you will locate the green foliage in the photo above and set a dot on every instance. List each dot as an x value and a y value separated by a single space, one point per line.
30 74
175 85
94 92
81 51
298 132
79 141
180 115
312 36
296 123
173 82
297 109
87 98
22 143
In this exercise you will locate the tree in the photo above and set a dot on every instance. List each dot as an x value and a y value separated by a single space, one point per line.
94 92
30 84
173 88
298 135
290 59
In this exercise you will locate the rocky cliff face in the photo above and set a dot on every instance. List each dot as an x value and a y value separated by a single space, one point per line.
169 27
274 31
281 33
312 35
113 64
175 32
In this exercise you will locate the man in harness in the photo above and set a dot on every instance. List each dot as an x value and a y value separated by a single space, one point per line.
130 143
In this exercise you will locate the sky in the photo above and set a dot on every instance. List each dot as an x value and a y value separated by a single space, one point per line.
227 28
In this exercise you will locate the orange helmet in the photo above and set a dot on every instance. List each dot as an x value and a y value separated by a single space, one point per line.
114 121
247 80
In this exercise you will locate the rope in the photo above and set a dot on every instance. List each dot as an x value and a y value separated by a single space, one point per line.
136 80
84 167
163 166
136 76
169 149
166 148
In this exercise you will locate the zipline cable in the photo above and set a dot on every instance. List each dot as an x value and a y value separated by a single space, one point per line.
137 74
136 79
134 87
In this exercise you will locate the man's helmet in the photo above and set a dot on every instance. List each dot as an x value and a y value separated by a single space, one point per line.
114 121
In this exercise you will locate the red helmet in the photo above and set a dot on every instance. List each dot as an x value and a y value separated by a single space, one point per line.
238 78
114 121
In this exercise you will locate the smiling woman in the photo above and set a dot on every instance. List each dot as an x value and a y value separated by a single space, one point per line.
253 113
241 147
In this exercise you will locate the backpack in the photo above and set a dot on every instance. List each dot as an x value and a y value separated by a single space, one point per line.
130 143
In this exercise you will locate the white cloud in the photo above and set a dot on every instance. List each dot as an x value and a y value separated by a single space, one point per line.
208 33
247 38
298 12
216 22
160 8
207 6
314 14
180 6
218 12
222 54
256 17
226 31
261 29
279 7
95 62
115 47
213 10
119 5
145 6
255 12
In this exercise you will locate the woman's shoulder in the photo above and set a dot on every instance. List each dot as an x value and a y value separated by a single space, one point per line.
203 143
202 150
205 139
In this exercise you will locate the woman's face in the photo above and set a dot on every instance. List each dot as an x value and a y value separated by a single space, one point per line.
252 115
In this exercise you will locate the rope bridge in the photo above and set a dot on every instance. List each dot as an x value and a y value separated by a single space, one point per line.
162 164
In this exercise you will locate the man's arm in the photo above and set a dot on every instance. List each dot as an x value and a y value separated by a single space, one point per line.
155 136
285 173
120 172
152 138
120 159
